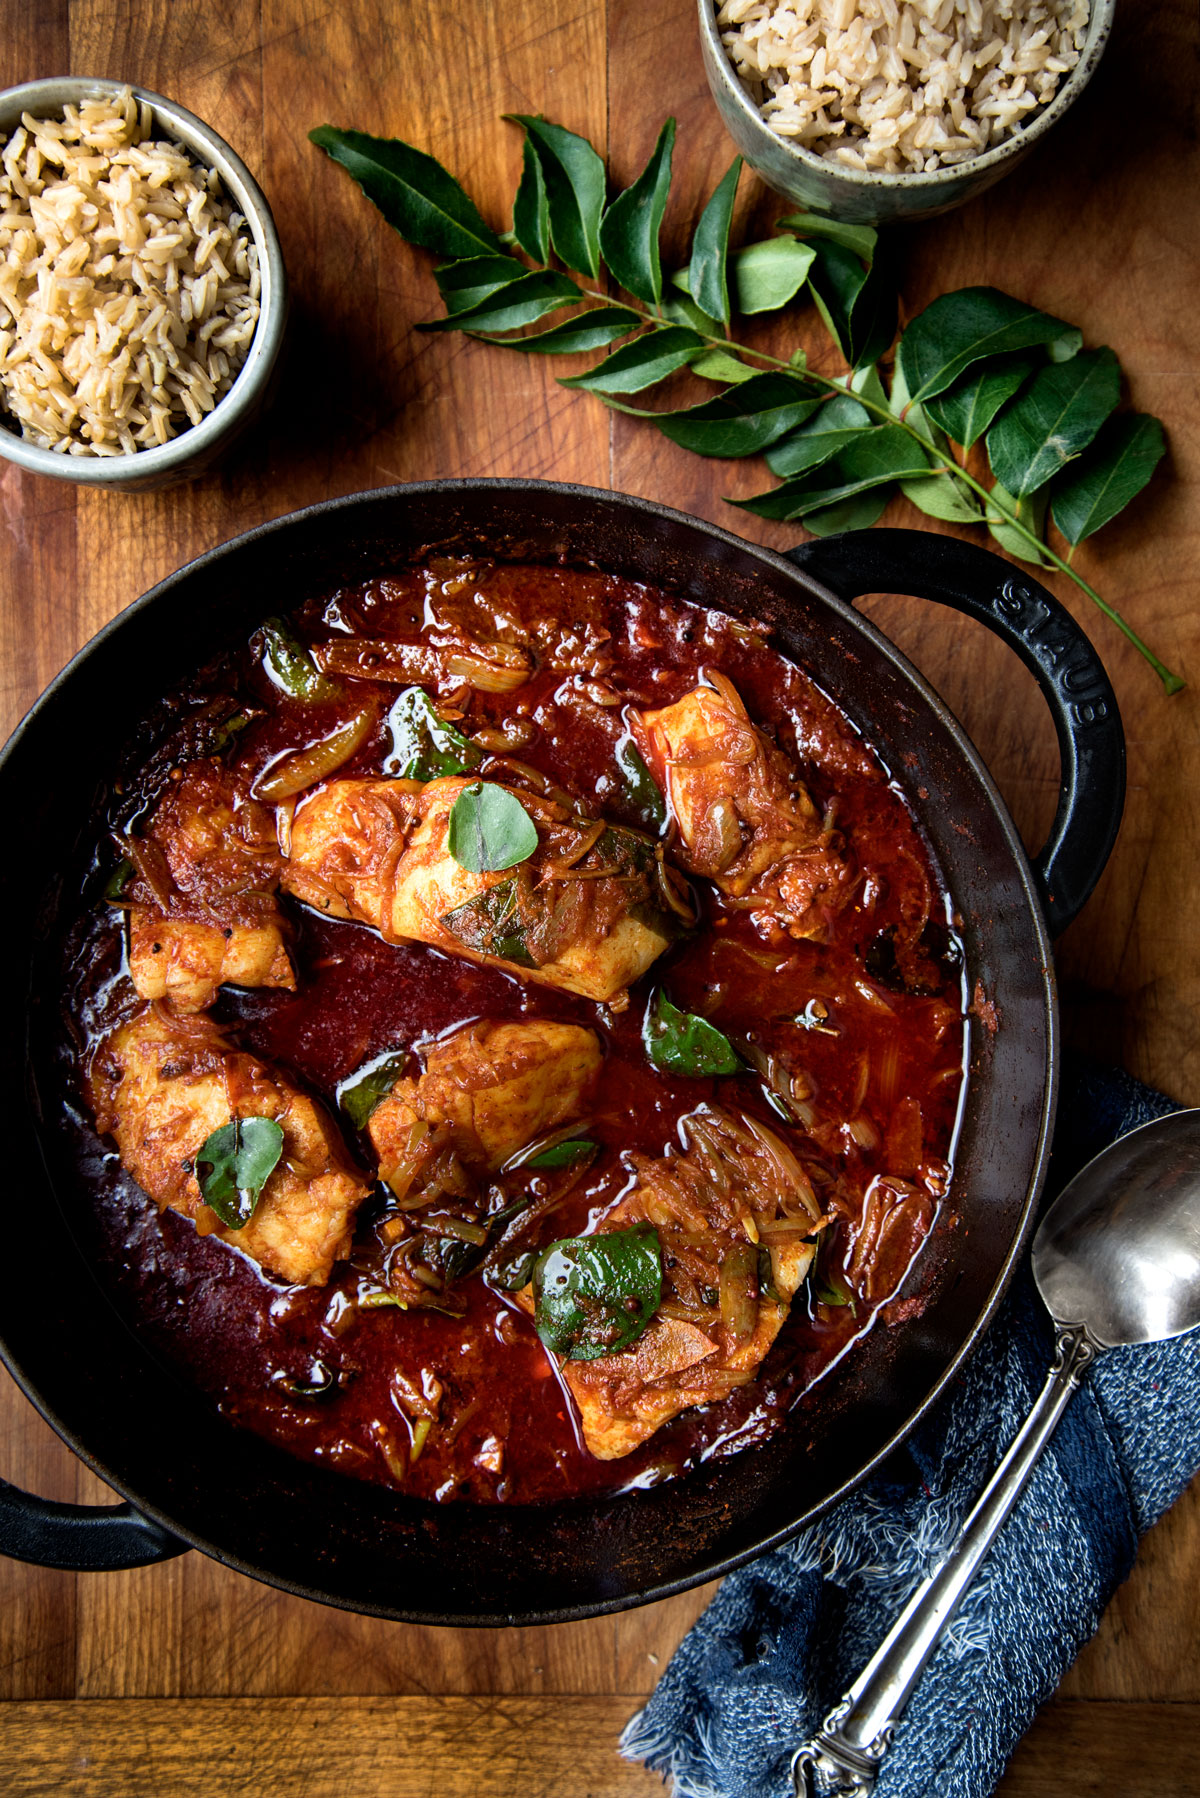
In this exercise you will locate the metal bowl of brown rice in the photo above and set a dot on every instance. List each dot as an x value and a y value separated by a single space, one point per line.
142 290
871 111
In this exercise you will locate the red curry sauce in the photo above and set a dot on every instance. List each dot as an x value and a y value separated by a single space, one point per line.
882 1050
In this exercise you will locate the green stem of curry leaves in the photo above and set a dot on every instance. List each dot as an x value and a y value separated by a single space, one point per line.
1172 683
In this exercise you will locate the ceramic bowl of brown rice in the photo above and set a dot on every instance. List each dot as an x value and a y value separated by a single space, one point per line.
870 111
142 290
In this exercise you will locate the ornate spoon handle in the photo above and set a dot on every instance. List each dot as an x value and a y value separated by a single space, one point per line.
842 1759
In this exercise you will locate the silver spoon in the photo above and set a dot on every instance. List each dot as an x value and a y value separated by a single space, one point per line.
1116 1260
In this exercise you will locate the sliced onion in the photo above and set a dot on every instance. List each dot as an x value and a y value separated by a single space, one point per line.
444 1223
766 959
871 997
721 683
863 1131
513 733
464 1417
285 778
669 884
599 693
285 815
489 676
540 783
402 1171
680 1311
549 1139
151 864
558 868
703 1138
490 667
386 1444
719 839
790 1169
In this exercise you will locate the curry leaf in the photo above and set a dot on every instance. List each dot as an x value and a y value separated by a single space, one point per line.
975 364
642 792
839 421
857 514
708 281
787 501
1031 512
968 326
767 275
119 880
489 829
629 229
367 1086
468 283
491 923
903 407
942 496
641 364
682 1043
289 664
1107 476
941 493
424 746
1053 420
587 331
739 423
857 302
873 458
873 322
514 1272
416 195
595 1295
832 1290
521 302
679 305
679 309
531 208
235 1164
867 383
884 453
968 408
860 240
719 365
574 178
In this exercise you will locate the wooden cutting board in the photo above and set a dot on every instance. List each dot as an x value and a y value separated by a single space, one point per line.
186 1679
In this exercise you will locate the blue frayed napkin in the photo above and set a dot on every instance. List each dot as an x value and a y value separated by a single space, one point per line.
785 1636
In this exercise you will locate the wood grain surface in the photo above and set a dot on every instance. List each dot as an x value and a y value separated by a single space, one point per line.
186 1678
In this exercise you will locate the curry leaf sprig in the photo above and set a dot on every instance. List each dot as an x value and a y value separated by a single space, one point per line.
993 413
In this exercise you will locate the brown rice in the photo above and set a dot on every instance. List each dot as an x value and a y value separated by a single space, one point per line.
129 288
901 86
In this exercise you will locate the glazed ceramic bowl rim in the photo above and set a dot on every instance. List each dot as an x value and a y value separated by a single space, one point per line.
1100 17
197 443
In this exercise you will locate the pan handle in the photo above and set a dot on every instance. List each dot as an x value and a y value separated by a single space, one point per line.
1052 646
79 1538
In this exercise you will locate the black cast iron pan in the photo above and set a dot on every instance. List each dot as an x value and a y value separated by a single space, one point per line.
191 1479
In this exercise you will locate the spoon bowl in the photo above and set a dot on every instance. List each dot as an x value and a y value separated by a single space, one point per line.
1119 1250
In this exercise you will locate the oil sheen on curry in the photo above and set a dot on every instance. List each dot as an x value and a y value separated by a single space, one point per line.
517 1034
